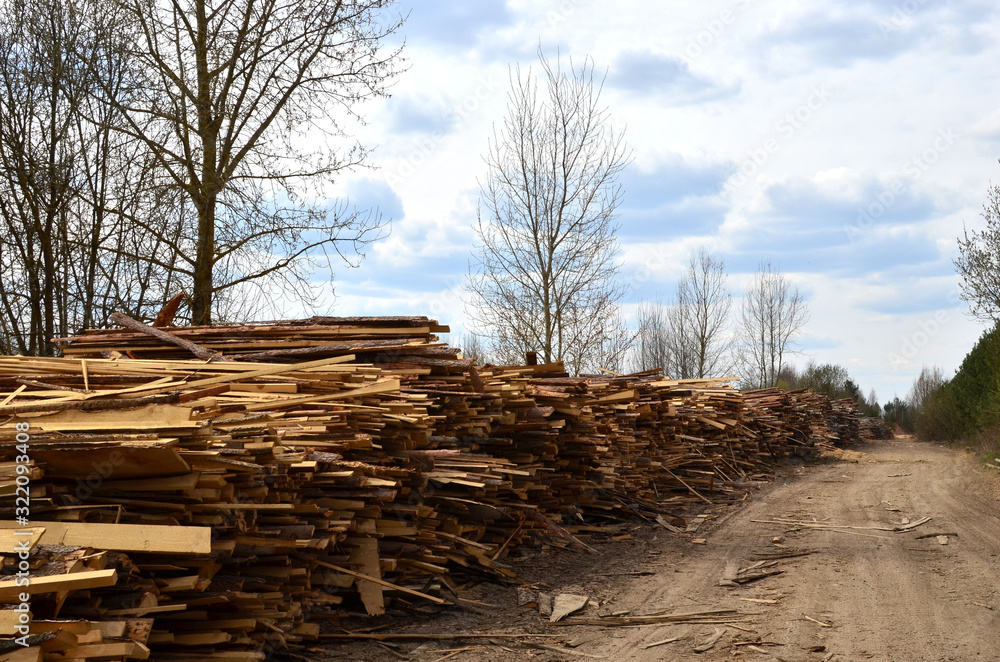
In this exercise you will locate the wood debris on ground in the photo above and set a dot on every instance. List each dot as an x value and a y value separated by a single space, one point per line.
227 506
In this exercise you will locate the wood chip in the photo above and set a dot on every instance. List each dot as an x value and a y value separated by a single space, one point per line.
820 623
661 642
565 604
709 643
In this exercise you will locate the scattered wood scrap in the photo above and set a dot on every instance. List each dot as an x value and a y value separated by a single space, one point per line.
710 616
709 643
818 622
800 524
902 528
565 604
758 570
661 642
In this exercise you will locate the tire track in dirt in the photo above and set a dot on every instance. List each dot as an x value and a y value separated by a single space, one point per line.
888 596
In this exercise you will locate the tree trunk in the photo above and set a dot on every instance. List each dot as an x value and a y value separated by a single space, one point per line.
201 298
205 199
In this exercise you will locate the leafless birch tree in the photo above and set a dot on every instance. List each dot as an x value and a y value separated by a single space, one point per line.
703 304
472 347
772 315
652 348
544 276
688 338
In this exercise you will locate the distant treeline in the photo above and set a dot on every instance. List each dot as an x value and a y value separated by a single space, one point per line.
965 407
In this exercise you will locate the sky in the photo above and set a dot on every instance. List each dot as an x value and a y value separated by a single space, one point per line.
846 142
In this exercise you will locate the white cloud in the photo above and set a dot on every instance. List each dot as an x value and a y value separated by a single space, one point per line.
889 97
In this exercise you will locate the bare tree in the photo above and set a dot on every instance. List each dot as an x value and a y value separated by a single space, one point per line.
666 339
871 404
223 97
929 381
473 347
544 275
652 348
771 318
68 182
611 350
703 304
978 262
38 151
687 339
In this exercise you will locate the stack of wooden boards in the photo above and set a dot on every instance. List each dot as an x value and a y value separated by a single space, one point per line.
800 419
872 429
89 603
337 463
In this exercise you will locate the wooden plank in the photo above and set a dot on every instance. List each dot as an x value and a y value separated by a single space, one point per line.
162 382
709 421
13 394
9 620
264 388
186 481
98 465
264 372
111 629
10 591
139 612
122 649
226 507
384 386
30 654
160 334
365 555
150 417
623 396
381 582
126 537
78 628
208 638
11 540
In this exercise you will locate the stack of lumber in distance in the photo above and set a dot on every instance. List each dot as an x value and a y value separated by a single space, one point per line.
873 429
844 420
598 439
349 463
800 419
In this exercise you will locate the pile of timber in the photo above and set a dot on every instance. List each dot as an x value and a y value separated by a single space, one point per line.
410 340
873 429
779 418
297 471
251 455
801 420
844 421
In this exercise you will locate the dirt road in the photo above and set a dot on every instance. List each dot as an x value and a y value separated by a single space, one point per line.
885 595
861 593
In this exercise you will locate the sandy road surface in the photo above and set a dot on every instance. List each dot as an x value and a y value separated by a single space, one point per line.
881 595
888 596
